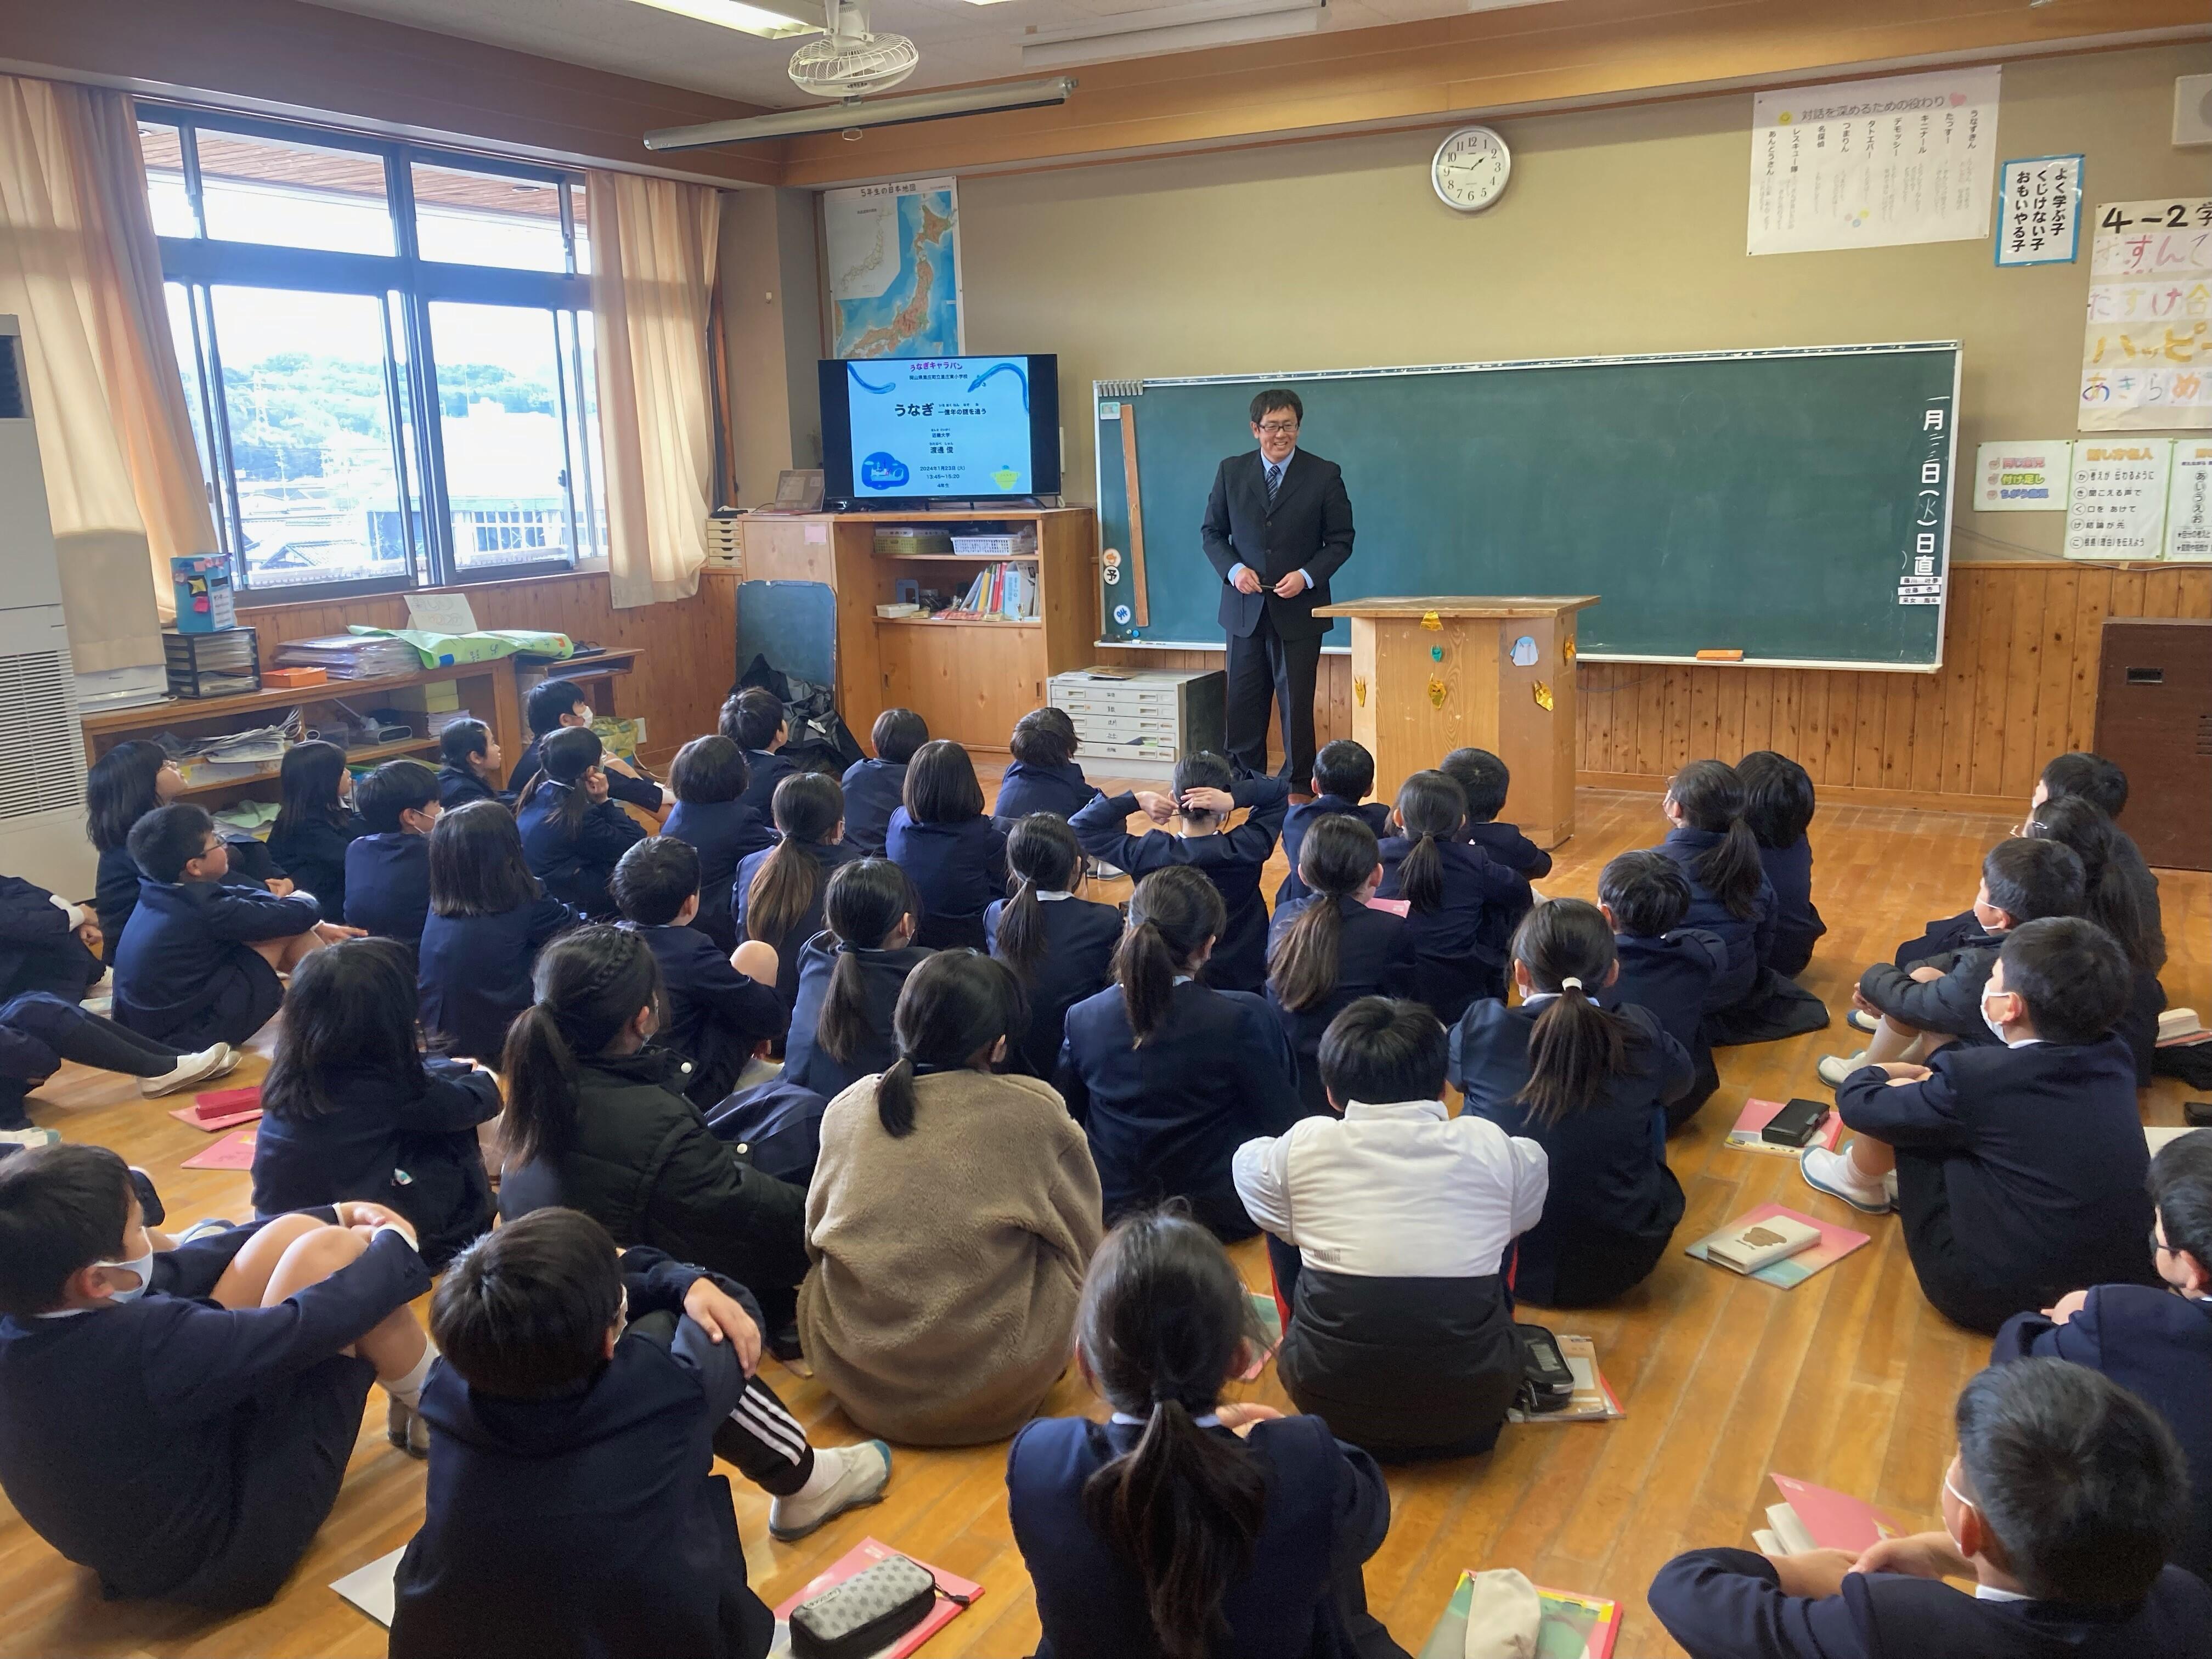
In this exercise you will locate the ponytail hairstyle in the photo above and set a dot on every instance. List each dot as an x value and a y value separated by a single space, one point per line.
590 984
1335 860
952 1012
1172 915
563 758
349 1009
308 787
1042 856
808 807
1577 1048
2111 896
1431 808
1163 1322
867 901
1710 796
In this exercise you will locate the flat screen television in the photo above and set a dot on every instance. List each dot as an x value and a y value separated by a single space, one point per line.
896 430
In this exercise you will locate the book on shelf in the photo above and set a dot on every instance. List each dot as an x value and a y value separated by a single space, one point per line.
999 592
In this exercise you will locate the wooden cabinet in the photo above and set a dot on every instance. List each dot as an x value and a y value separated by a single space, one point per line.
970 677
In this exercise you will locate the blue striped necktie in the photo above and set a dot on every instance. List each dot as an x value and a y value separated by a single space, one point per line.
1274 481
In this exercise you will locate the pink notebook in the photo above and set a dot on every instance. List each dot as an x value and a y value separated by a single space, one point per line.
190 1116
865 1554
1836 1519
232 1152
1758 1113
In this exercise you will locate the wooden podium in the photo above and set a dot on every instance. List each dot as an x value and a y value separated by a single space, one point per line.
1430 675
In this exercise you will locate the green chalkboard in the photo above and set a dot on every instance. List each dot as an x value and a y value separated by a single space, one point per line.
1794 504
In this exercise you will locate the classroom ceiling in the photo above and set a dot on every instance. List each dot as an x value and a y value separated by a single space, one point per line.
960 42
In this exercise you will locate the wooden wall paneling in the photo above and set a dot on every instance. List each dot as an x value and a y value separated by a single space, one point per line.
2023 681
1993 614
2093 600
2054 684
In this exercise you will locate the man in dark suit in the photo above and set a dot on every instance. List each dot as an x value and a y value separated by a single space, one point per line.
1278 527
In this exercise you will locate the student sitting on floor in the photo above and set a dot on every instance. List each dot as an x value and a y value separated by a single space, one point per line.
1206 793
1042 776
850 976
572 830
131 781
719 1006
1729 894
199 961
1343 778
469 764
1169 1076
777 894
46 944
351 1110
954 854
388 869
1666 968
1059 946
38 1031
490 918
1778 805
1484 779
1185 1526
596 1120
1329 949
754 720
2157 1343
951 1217
2061 1504
2120 899
179 1417
1939 1001
1591 1087
2019 1165
1456 896
1400 1331
556 705
315 824
708 777
573 1507
875 787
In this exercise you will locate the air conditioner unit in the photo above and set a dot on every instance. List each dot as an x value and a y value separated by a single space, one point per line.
42 787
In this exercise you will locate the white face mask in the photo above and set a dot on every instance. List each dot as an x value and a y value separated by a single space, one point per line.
143 1266
1996 1027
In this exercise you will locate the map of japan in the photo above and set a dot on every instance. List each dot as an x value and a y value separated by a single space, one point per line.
894 269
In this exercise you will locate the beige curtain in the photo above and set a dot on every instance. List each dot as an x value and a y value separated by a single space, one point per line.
79 264
652 283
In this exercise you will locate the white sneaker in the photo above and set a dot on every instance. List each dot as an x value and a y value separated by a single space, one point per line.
847 1477
1832 1173
191 1069
1834 1068
1859 1020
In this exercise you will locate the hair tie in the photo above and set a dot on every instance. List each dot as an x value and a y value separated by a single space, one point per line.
846 948
1570 984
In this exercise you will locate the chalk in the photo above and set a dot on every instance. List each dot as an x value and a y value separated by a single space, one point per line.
1720 656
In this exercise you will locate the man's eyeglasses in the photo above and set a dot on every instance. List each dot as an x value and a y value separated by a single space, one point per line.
1278 429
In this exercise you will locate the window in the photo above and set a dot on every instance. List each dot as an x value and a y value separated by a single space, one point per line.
387 352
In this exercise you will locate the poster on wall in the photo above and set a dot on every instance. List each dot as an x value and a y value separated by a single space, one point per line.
2188 502
2147 342
894 252
2039 211
2022 476
2118 510
1908 158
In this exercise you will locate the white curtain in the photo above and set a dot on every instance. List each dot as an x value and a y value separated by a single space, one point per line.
652 285
80 266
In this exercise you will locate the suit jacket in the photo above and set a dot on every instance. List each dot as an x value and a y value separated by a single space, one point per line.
312 853
388 884
472 973
715 1013
1461 944
883 976
1375 814
826 855
764 770
1374 957
1308 529
957 870
575 865
722 832
1669 977
1749 939
873 791
458 786
182 971
1077 963
1062 790
1798 924
1729 1604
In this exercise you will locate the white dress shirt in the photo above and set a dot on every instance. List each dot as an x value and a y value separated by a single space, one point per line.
1264 465
1400 1191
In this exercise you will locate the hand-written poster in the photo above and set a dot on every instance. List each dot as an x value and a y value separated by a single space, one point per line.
1909 158
2039 211
2118 509
2146 340
2188 502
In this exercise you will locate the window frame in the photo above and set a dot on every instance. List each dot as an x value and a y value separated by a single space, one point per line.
404 286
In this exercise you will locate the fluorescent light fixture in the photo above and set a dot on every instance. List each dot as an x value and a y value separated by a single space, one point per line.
1160 29
735 14
857 113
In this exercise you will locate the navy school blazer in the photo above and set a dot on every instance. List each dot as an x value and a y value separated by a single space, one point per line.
1231 860
1303 815
764 769
1327 1512
1609 1174
39 949
179 973
458 786
1798 924
1166 1118
1669 977
1749 938
1951 1004
388 884
591 1523
472 973
1463 943
313 855
827 856
639 790
956 868
1062 790
722 833
884 973
575 865
1375 956
1507 845
253 865
873 791
716 1014
176 1385
1080 938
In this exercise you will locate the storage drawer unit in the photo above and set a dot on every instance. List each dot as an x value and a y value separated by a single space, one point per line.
1141 722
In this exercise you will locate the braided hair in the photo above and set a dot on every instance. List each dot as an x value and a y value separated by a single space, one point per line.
591 986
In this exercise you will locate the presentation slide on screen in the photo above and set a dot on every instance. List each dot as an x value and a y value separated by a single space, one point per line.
940 426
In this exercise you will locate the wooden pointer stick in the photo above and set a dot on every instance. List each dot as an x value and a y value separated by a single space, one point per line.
1140 602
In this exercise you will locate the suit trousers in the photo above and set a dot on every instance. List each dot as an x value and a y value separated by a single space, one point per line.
1263 666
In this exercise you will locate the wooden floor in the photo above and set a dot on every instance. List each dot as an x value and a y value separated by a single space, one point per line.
1848 1380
